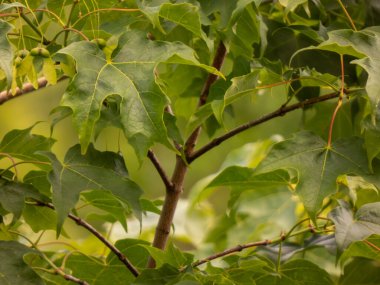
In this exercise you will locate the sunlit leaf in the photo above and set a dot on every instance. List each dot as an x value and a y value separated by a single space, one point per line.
129 74
6 54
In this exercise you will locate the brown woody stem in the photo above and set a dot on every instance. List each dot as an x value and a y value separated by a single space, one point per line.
175 188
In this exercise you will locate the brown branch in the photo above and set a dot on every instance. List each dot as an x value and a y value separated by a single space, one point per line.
173 192
160 170
217 63
266 242
92 230
26 88
283 110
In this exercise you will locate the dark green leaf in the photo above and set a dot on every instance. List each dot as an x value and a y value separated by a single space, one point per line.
40 218
13 195
172 255
318 165
24 145
132 248
96 170
161 276
361 272
109 203
350 228
13 269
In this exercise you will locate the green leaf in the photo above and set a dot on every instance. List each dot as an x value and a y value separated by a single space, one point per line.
132 248
109 203
362 44
241 86
6 6
368 248
40 218
129 74
360 271
13 195
318 166
171 255
350 228
6 54
24 145
293 272
13 269
96 170
161 276
183 14
97 272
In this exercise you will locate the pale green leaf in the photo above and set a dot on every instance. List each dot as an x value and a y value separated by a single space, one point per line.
96 170
318 165
6 53
130 75
183 14
350 228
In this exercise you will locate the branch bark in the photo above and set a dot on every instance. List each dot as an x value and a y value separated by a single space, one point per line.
26 88
92 230
174 190
283 110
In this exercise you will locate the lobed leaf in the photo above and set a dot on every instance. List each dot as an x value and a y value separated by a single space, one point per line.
13 269
103 171
350 228
318 166
130 75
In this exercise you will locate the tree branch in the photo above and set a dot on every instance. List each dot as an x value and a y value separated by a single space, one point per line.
217 63
92 230
26 88
283 110
239 248
173 192
160 170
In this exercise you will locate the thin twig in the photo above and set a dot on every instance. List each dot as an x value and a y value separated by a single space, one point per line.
340 101
239 248
160 170
92 230
57 269
26 88
347 15
13 163
278 113
217 63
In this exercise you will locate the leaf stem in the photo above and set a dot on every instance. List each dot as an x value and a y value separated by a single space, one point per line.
347 15
34 28
104 9
339 104
51 263
239 248
160 170
98 235
372 245
281 111
13 164
75 2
